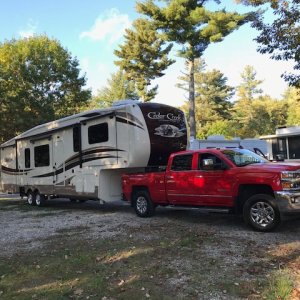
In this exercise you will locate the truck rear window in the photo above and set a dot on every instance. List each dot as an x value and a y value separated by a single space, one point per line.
182 162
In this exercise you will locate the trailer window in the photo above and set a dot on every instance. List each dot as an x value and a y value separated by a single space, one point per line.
41 156
182 163
98 133
27 158
76 138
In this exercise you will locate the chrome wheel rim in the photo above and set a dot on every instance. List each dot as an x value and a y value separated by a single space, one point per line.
262 214
141 204
30 199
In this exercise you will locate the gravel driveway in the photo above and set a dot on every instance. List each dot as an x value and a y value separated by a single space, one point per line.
25 229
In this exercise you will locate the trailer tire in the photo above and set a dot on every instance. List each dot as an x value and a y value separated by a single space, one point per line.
39 199
261 213
143 204
30 198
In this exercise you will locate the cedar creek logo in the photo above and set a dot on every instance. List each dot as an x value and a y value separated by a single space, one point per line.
159 116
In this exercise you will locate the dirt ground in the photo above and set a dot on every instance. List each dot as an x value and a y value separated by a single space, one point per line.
176 254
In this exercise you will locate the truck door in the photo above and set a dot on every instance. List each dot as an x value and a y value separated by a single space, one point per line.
212 183
179 179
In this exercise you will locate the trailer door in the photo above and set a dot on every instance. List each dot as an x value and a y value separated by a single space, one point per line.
25 161
42 172
58 161
99 142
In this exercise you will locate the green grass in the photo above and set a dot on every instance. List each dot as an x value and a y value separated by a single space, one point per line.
109 267
280 286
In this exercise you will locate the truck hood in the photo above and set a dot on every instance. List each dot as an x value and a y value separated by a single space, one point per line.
271 167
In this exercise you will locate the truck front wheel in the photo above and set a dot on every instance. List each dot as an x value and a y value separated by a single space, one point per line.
261 213
142 204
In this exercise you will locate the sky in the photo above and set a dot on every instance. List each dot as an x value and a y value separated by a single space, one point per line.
92 29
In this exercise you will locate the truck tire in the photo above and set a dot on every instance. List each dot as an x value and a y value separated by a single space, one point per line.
261 212
39 199
143 204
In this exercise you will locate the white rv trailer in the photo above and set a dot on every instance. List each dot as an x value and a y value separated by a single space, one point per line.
83 156
284 144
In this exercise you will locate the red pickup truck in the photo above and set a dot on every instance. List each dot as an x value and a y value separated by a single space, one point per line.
234 179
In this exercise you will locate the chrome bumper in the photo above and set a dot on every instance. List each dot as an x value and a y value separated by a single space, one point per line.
288 202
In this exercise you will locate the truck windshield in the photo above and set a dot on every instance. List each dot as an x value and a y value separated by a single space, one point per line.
243 157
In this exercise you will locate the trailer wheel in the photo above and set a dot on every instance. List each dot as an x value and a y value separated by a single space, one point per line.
39 199
143 204
261 212
30 198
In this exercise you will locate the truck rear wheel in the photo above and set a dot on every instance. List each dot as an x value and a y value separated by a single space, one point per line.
261 213
143 204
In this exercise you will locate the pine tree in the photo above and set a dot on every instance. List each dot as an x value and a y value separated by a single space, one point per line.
189 24
143 57
212 96
117 88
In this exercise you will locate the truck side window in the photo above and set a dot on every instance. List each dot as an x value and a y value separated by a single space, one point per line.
41 156
182 163
27 158
98 133
210 162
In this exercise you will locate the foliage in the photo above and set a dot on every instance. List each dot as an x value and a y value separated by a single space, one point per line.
212 96
39 82
281 38
191 25
249 85
117 88
219 127
292 96
143 57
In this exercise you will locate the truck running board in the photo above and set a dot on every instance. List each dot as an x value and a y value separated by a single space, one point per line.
203 209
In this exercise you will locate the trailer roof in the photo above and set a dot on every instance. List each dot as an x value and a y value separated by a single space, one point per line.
55 125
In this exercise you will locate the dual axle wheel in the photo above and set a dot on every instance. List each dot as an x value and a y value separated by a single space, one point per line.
35 198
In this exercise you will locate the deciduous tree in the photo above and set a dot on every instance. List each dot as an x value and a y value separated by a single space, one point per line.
39 81
292 97
281 37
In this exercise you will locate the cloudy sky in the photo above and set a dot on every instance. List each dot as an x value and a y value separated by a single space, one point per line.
92 29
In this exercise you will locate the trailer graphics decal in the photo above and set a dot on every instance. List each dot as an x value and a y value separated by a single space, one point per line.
167 130
72 162
166 126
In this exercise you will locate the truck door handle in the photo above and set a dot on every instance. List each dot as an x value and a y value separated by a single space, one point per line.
170 177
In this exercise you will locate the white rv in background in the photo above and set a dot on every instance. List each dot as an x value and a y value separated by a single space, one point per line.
83 156
284 144
219 141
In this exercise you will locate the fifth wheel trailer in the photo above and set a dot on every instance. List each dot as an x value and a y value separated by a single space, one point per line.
83 156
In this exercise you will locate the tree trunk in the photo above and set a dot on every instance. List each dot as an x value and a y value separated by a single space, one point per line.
192 121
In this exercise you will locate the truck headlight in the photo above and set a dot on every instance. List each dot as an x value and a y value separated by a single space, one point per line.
290 179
